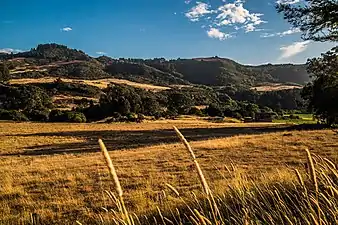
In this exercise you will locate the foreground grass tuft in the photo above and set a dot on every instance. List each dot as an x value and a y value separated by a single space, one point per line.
312 199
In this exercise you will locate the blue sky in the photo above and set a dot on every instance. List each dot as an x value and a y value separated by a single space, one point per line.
250 31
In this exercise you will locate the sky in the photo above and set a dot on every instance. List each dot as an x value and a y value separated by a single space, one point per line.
248 31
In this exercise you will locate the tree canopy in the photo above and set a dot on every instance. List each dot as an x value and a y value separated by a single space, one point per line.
317 19
322 92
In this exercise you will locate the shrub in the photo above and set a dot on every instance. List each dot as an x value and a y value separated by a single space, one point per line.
56 116
214 110
38 115
14 115
140 117
116 115
76 117
195 111
158 115
132 117
67 116
294 117
170 114
94 113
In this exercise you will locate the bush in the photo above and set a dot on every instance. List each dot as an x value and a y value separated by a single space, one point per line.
76 117
38 115
132 117
12 115
116 115
170 114
67 116
294 117
158 115
214 110
140 117
195 111
56 116
94 113
237 115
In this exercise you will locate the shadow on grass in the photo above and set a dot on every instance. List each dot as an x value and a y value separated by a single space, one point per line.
124 139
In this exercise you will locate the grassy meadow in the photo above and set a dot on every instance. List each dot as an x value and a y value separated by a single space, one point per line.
56 174
302 119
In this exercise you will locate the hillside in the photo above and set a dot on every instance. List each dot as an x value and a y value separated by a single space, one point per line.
53 60
285 73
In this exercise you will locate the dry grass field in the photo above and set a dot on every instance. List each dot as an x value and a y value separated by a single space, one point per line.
57 172
275 87
100 83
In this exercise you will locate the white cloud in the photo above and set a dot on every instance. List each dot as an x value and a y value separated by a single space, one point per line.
198 11
249 27
293 49
287 2
231 15
281 34
267 35
10 50
235 13
101 53
215 33
288 32
187 1
66 29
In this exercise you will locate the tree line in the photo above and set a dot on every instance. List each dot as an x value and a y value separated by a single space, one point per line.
127 103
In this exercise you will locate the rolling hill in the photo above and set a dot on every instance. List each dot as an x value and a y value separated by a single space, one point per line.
53 60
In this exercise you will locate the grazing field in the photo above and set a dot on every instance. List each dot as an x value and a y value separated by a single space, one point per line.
56 172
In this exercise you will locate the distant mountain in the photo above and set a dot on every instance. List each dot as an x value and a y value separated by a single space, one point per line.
61 61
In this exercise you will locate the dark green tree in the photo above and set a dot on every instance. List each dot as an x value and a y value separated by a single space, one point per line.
151 106
214 110
179 102
27 98
317 19
4 73
122 99
322 92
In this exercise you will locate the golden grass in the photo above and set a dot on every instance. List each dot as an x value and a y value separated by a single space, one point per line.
71 186
275 87
100 83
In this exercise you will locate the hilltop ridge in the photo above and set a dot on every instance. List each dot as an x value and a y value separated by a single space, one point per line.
60 61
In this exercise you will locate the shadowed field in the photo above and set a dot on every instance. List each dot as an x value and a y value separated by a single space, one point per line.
57 171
